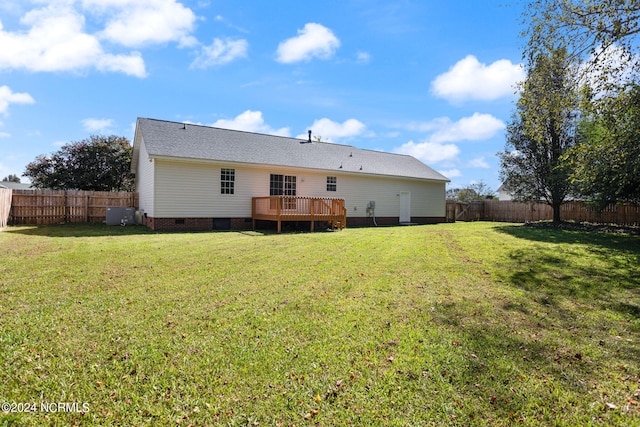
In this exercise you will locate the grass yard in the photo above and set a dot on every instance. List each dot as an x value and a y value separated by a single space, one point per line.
451 324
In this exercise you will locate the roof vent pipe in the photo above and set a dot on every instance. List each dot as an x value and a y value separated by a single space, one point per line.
309 135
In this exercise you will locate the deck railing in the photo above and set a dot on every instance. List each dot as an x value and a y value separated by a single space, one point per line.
292 208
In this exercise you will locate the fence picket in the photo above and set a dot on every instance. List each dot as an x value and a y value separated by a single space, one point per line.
36 207
625 214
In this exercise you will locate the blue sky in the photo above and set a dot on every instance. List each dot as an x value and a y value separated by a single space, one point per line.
430 78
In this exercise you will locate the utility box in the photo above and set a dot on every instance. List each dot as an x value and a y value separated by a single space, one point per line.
121 216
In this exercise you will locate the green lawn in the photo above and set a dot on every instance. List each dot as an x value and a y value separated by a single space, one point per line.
451 324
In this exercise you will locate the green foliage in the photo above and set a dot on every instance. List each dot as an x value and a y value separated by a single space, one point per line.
601 37
476 191
452 324
467 195
100 163
607 159
541 131
11 178
599 33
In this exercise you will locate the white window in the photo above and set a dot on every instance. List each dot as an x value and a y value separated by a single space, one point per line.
332 183
227 181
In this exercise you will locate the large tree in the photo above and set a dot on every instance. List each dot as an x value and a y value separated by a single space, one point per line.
607 157
601 34
99 163
542 130
11 178
475 191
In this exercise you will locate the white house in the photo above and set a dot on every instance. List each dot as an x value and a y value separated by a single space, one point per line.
192 177
504 193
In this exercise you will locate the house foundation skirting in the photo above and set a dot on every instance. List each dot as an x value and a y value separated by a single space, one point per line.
391 220
197 224
210 224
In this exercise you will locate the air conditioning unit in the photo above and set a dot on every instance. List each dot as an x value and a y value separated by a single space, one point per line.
121 216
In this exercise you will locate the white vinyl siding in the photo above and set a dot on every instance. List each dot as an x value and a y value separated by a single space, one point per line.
145 181
192 189
427 197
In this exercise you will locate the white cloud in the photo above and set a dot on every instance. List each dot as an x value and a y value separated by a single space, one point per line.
479 162
250 121
132 64
608 66
470 79
135 23
363 57
228 23
429 152
477 127
442 130
451 173
97 125
220 52
329 130
56 41
5 135
314 40
7 97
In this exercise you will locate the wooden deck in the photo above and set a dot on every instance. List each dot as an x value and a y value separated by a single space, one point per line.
291 208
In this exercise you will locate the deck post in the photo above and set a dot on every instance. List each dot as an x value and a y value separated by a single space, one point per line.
253 212
278 212
298 209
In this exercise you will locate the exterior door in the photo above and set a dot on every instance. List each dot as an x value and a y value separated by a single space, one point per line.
405 206
283 185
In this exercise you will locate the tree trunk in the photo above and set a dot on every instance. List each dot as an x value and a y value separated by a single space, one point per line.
556 212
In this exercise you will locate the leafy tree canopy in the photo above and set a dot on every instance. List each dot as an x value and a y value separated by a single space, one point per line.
541 131
601 34
99 163
476 191
11 178
601 40
607 159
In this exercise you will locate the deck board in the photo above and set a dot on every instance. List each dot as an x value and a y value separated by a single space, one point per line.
289 208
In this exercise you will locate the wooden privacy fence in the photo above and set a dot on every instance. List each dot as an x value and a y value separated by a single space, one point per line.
36 207
5 206
464 211
494 210
508 211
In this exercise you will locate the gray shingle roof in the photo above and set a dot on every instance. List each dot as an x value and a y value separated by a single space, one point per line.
187 141
15 185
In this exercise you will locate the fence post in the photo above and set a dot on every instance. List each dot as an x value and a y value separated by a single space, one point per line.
86 208
5 206
66 207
